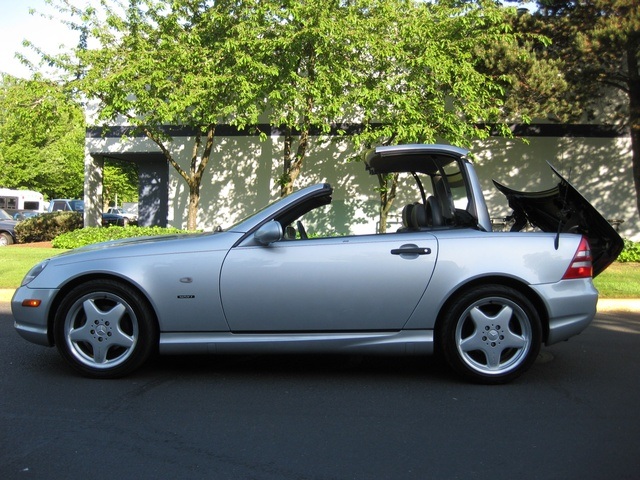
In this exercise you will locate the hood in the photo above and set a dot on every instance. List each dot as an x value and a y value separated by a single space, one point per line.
562 209
152 245
8 223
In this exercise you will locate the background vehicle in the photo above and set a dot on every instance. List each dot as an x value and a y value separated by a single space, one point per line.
19 216
122 212
17 201
117 216
7 226
66 205
443 282
61 204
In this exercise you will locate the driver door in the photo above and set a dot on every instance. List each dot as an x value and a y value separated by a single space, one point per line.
353 283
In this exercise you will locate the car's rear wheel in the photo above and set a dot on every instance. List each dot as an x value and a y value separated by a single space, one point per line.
104 329
490 334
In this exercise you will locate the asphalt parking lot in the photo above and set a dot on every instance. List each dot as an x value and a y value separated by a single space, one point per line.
573 415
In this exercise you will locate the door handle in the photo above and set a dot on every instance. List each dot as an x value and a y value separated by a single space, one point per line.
411 251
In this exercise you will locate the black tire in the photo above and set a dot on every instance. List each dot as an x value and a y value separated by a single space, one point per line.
104 329
5 239
491 334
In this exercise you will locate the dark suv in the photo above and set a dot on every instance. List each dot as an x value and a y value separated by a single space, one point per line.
7 225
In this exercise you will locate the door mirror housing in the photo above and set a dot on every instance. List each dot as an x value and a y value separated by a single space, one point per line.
268 233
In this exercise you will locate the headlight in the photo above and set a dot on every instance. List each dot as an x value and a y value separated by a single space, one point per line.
34 272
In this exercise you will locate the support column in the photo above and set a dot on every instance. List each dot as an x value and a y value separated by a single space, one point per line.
93 176
153 191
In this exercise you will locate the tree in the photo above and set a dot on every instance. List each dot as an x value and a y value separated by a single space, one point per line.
312 46
157 64
120 182
597 42
425 78
412 70
41 138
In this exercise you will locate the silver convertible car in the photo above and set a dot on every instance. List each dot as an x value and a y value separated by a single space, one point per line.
441 283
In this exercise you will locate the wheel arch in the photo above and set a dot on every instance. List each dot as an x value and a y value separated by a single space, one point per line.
73 283
510 282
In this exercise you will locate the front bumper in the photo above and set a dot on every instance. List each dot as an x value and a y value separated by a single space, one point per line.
571 305
32 322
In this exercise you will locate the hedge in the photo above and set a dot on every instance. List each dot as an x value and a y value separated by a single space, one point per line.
47 226
89 235
630 252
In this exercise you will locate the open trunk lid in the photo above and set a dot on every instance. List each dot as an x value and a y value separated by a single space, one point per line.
562 209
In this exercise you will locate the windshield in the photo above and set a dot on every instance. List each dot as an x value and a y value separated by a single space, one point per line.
233 227
4 215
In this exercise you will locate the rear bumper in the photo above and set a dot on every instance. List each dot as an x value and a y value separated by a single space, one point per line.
31 322
571 306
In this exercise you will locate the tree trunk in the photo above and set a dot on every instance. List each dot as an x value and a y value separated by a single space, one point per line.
388 187
194 203
293 164
633 46
196 169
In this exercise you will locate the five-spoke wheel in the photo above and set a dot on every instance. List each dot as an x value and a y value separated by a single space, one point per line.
490 334
103 329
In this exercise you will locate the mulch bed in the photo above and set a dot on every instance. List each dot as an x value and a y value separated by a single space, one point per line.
34 244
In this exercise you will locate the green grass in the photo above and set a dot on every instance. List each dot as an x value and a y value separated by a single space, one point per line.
17 261
620 280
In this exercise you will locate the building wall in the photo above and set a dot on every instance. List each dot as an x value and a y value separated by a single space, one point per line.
241 175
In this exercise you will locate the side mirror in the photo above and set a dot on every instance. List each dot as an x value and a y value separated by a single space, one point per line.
268 233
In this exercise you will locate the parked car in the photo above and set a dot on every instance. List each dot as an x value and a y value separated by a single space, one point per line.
7 229
116 219
78 206
19 216
66 205
444 282
132 217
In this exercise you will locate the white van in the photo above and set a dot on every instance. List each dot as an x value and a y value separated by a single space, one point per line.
18 201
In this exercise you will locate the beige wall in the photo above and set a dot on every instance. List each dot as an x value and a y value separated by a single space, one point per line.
241 176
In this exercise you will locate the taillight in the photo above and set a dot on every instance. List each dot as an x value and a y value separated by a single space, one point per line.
581 266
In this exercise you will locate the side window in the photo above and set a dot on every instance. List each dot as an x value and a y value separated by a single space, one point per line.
321 217
312 224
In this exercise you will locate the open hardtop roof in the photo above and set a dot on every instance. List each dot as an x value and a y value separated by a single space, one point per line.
420 158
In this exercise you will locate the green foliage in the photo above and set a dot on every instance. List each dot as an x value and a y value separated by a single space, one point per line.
619 280
47 226
120 182
630 253
596 44
90 235
17 261
41 138
182 63
421 78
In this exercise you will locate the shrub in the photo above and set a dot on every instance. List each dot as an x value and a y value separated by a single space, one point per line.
47 226
630 252
89 235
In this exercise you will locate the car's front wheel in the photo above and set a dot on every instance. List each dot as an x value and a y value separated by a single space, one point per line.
490 334
104 329
5 239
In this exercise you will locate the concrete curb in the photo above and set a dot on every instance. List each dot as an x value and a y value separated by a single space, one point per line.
604 304
619 305
5 295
